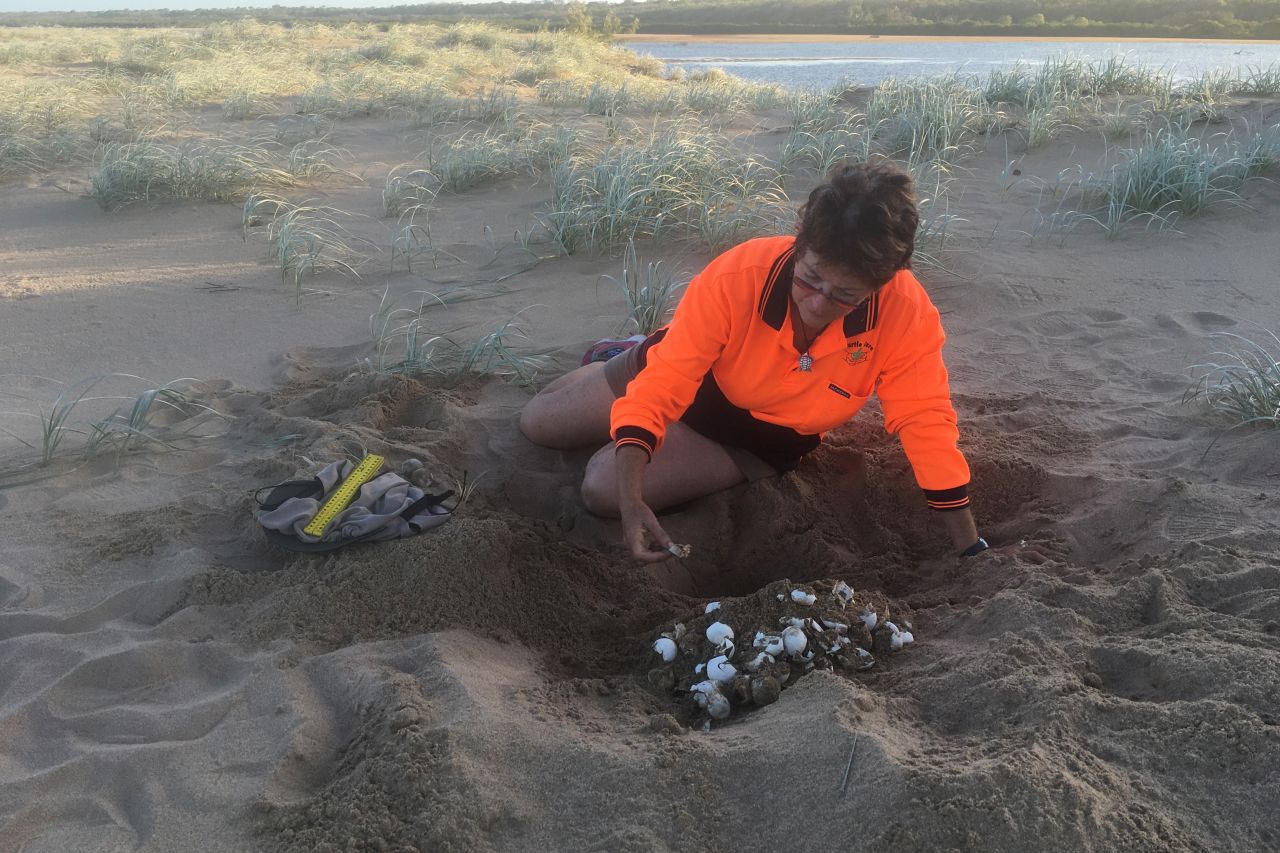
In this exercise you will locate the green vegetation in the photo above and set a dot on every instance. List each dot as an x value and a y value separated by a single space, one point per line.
625 151
651 293
1173 174
403 344
1243 383
1234 19
678 181
168 415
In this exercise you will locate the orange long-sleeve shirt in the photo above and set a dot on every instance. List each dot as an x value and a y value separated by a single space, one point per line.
735 321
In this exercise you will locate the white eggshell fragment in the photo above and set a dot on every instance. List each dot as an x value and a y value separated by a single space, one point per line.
712 606
666 647
799 596
843 591
869 618
718 632
758 661
704 687
720 670
773 645
794 641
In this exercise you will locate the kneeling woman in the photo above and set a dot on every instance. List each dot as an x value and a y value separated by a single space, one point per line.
776 341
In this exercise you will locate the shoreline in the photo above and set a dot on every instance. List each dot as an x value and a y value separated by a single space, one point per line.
832 38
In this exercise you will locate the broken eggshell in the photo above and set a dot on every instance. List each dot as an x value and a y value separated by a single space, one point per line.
720 670
799 596
718 632
666 647
794 641
773 644
898 637
712 606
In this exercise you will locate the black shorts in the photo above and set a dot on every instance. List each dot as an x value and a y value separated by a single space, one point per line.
759 448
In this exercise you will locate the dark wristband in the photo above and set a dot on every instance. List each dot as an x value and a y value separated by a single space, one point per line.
976 548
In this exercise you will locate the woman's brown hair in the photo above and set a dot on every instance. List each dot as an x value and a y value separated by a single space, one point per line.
863 219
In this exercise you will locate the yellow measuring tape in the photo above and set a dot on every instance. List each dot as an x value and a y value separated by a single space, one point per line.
344 494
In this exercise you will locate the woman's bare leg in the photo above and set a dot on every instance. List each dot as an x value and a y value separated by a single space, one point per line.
688 466
571 412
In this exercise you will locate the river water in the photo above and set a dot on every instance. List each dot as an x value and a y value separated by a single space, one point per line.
800 64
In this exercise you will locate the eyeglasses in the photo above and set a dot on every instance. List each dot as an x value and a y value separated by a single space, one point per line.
842 302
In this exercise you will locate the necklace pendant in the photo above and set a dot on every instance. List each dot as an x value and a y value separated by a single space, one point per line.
806 363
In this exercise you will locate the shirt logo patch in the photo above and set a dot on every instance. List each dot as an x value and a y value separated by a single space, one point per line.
840 391
856 352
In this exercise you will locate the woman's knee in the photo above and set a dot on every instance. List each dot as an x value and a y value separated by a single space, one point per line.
534 421
571 412
600 485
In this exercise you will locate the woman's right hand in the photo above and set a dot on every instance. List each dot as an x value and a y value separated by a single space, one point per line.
640 529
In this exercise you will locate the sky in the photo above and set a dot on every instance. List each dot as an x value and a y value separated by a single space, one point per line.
103 5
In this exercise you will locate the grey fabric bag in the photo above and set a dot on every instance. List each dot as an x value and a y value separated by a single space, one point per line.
386 507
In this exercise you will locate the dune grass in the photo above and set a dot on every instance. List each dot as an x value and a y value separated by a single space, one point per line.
474 158
213 170
403 344
242 105
679 181
1242 382
504 352
166 415
1174 174
650 290
308 239
406 187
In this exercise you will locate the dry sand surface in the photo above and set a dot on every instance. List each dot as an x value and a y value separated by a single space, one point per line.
169 682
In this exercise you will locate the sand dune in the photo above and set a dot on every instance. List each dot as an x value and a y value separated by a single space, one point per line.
168 681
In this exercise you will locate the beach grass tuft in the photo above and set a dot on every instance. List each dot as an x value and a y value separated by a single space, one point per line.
167 415
143 171
679 181
1172 174
650 291
308 239
1241 382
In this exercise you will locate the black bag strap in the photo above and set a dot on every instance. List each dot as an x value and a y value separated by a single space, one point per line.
281 492
425 502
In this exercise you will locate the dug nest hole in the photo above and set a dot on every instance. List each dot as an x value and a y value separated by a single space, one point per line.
742 653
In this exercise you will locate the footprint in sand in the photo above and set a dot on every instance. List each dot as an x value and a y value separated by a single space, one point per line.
1197 523
1195 322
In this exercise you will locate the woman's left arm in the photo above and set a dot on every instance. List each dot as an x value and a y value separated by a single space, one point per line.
916 399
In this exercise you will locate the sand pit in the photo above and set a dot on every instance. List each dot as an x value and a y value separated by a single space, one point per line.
1107 678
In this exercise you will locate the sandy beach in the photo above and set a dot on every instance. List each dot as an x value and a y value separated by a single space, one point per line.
169 681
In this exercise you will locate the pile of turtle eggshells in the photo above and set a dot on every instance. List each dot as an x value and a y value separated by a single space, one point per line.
744 653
